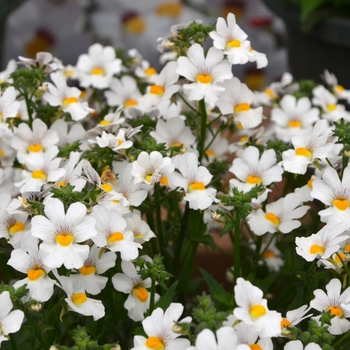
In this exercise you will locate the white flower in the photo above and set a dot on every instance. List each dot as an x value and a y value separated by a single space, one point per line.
252 310
151 168
204 72
159 330
10 321
97 68
237 100
231 39
226 339
30 262
130 282
293 117
62 232
335 194
280 215
5 74
141 230
298 345
334 302
90 278
77 299
42 169
337 89
112 233
194 179
68 132
66 97
309 147
294 317
323 244
8 104
115 142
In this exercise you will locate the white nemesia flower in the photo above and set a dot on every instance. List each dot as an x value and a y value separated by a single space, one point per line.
10 321
8 105
141 230
252 310
204 72
298 345
62 232
337 89
159 330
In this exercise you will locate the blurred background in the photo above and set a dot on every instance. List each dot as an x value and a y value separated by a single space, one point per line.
66 28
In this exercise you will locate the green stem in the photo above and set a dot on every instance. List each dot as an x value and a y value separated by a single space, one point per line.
160 232
35 328
237 250
188 105
152 297
341 340
203 130
345 161
13 342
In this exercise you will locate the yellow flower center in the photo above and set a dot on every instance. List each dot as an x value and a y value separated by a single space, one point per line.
130 103
257 311
97 71
242 107
305 152
107 187
37 147
285 323
336 310
269 254
270 93
204 78
61 184
17 227
170 9
87 270
235 43
164 181
347 247
331 107
2 153
316 249
68 73
105 122
294 123
340 88
150 71
35 274
253 179
337 258
115 237
309 183
243 139
39 174
135 25
79 298
64 239
140 293
255 347
196 186
273 218
69 100
157 90
155 343
210 153
341 203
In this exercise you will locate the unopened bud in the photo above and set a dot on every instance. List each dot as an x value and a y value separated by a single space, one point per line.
36 307
53 347
218 217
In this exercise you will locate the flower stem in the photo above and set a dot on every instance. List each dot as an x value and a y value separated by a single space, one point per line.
35 328
152 297
237 250
13 342
203 130
160 232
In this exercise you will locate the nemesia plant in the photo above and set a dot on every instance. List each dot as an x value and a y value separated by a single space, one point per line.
114 175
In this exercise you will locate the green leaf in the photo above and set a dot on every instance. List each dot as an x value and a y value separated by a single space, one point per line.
168 297
227 228
308 6
222 298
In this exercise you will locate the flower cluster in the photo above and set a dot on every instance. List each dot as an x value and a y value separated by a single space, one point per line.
114 175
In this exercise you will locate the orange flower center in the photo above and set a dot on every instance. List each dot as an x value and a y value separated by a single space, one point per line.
157 90
204 78
196 186
39 174
316 249
242 107
17 227
257 311
273 218
232 44
69 100
35 274
115 237
37 147
64 239
305 152
140 293
97 71
336 310
155 343
79 298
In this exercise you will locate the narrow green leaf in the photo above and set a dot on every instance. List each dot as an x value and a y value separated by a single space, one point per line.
308 6
168 297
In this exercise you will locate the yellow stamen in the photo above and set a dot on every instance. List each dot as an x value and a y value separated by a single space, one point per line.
61 184
336 310
285 323
257 311
170 9
176 144
196 186
97 71
150 71
34 275
35 148
155 343
2 153
273 218
69 100
243 139
17 227
140 293
269 254
129 103
337 259
68 73
115 237
64 239
79 298
204 78
253 179
270 93
294 124
347 248
164 181
242 107
107 187
135 25
87 270
316 249
255 347
305 152
340 88
39 174
309 183
157 90
331 107
210 153
233 44
105 122
149 178
341 203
